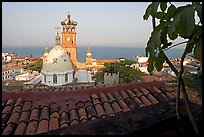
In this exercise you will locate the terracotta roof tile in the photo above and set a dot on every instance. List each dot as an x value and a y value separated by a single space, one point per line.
130 103
82 114
124 94
156 95
14 118
55 115
103 98
145 100
116 107
54 108
117 96
7 110
64 118
170 95
144 91
73 116
95 99
99 110
152 99
42 127
34 114
8 129
138 102
20 129
108 110
138 93
73 122
24 116
44 113
5 118
63 107
19 102
87 104
131 94
53 123
31 128
124 107
91 112
10 102
160 92
17 109
64 125
27 106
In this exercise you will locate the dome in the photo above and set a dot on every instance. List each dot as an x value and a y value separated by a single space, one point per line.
57 61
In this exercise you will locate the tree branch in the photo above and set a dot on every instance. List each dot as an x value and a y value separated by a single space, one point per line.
175 45
185 95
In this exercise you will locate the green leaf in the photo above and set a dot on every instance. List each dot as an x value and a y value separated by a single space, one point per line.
163 36
197 33
172 31
198 8
163 6
159 15
153 42
198 49
159 61
187 22
154 7
150 66
170 12
147 13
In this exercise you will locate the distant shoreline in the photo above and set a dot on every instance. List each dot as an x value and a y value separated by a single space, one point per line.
97 52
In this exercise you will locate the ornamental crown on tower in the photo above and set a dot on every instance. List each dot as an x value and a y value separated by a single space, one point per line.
68 21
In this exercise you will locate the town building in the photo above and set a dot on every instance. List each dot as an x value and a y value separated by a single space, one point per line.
111 77
9 73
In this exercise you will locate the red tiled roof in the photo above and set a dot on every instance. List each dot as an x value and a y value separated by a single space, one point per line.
38 112
11 67
105 61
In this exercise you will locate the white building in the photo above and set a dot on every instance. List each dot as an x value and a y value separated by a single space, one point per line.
57 69
83 76
27 75
9 73
8 56
142 63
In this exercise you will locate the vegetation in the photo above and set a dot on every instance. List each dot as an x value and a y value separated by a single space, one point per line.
175 23
37 66
193 81
31 56
126 73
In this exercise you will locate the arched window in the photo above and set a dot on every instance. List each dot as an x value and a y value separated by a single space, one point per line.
66 77
45 78
54 79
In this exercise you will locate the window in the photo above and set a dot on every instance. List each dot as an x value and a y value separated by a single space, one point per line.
54 60
55 79
66 77
45 78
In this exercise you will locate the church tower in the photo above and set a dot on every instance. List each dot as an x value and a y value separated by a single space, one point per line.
69 38
46 53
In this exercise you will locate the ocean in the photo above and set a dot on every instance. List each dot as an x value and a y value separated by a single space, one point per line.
97 52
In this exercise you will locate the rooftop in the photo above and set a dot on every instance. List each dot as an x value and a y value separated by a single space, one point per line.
28 113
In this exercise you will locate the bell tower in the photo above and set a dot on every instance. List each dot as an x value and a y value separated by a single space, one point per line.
69 38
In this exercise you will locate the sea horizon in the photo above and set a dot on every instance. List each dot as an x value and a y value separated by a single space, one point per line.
97 52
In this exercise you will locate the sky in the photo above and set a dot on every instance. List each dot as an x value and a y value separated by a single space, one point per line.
116 24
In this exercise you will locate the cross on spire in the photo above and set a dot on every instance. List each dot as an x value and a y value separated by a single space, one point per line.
57 28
